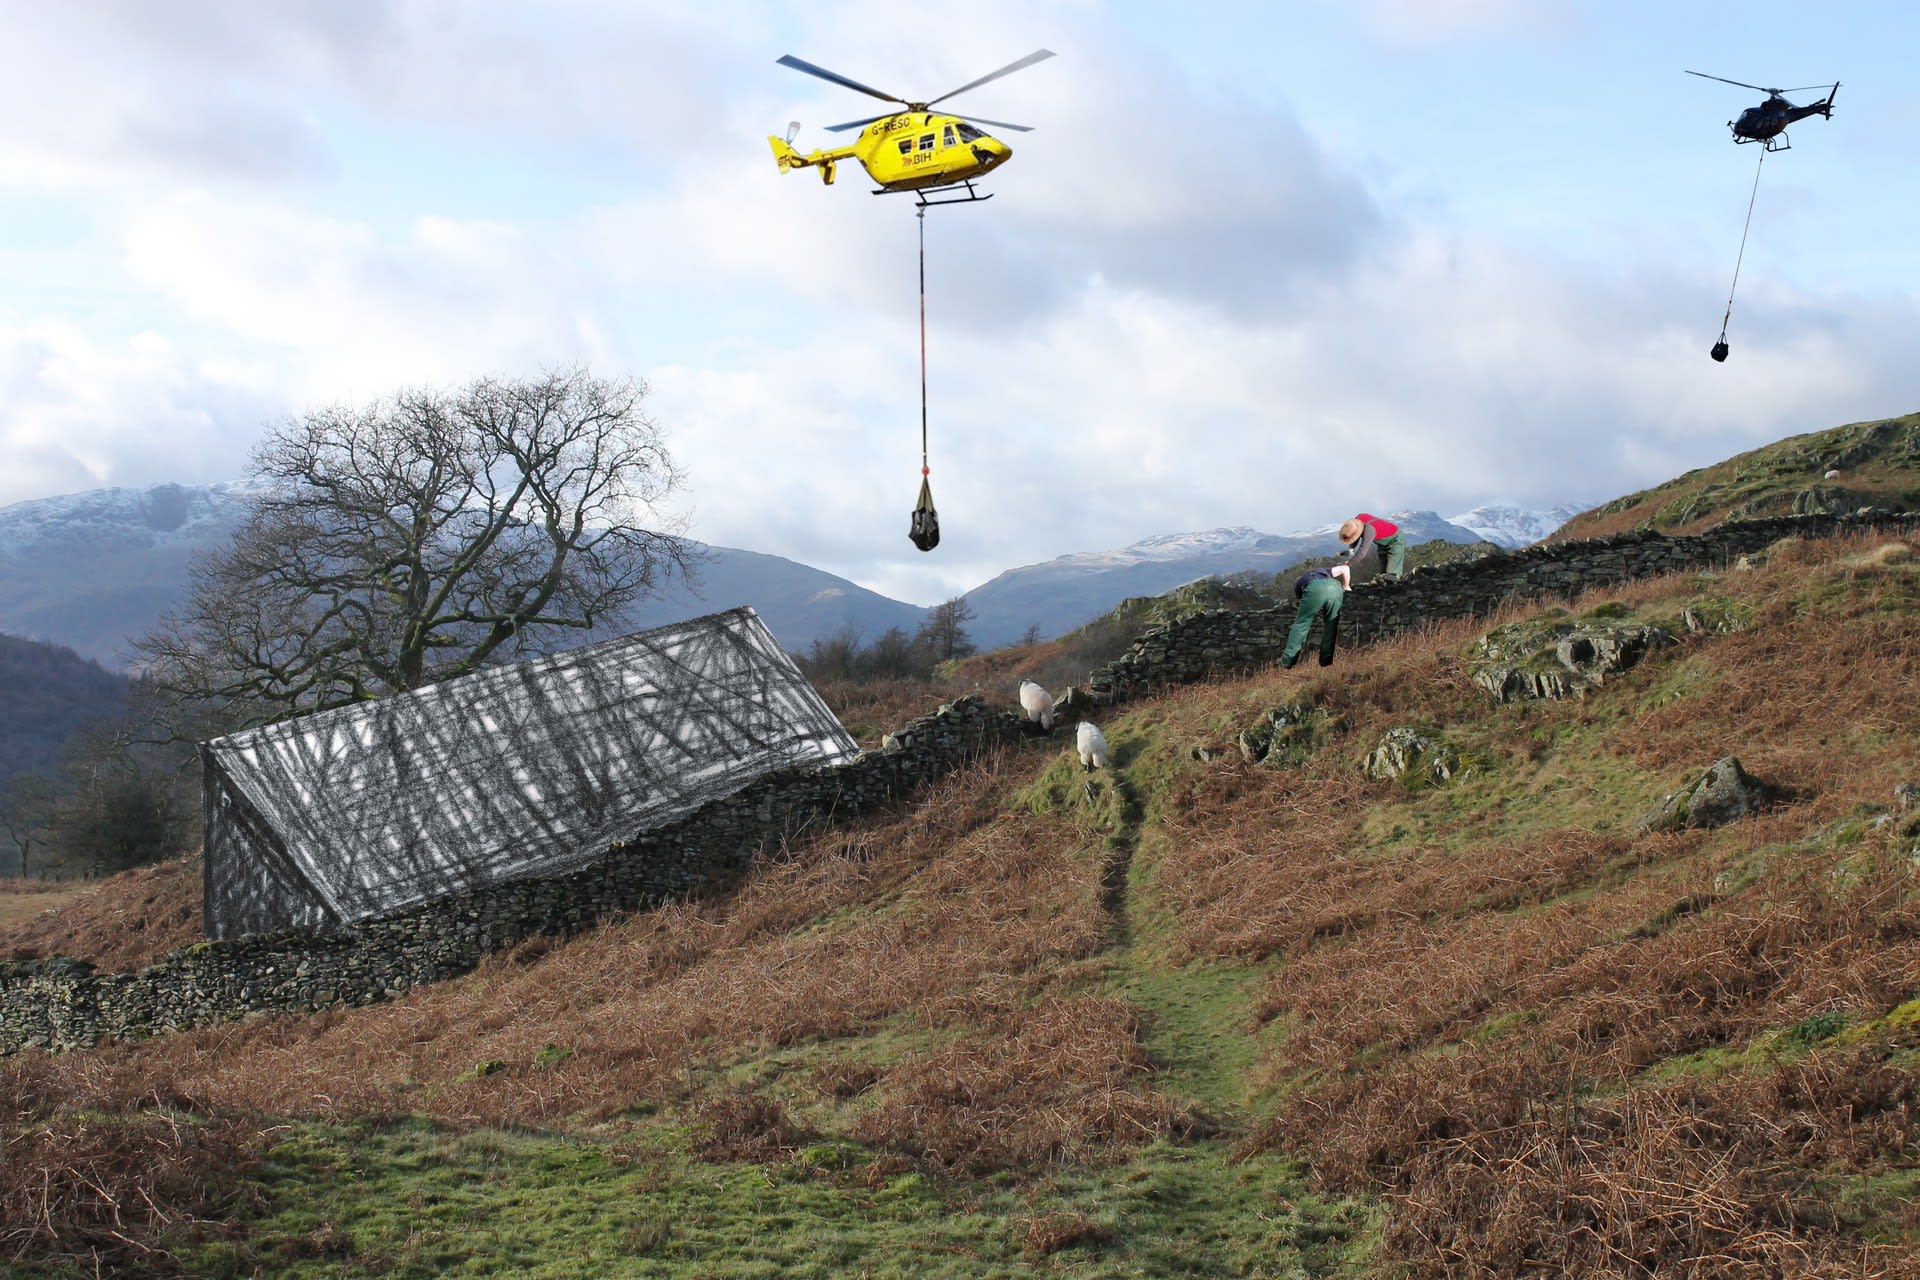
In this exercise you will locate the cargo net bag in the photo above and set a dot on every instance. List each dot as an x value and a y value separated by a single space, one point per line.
925 528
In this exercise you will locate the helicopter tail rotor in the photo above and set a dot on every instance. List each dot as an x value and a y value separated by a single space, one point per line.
793 129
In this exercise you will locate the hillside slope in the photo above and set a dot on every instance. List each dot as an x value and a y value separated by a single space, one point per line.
1189 1016
1877 465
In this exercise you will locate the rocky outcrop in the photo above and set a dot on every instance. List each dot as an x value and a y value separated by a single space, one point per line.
1414 757
1547 659
1288 734
1721 794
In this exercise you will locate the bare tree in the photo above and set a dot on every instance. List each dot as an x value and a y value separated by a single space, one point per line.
415 538
832 657
892 656
26 803
943 634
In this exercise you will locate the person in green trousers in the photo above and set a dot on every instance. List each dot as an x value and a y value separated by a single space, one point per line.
1320 593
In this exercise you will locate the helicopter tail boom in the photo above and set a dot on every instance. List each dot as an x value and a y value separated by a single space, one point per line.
788 159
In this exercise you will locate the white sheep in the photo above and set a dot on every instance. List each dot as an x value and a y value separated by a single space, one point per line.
1037 703
1093 746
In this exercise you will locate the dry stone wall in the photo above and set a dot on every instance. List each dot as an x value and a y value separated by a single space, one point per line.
64 1004
1219 643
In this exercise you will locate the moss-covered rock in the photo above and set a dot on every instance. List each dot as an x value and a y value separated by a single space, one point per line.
1723 793
1289 734
1417 758
1550 657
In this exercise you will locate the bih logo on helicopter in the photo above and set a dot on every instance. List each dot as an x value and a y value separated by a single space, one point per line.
913 149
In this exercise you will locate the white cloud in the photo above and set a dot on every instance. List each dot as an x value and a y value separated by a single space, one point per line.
357 314
79 414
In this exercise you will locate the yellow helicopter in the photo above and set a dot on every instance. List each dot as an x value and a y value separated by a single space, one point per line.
913 149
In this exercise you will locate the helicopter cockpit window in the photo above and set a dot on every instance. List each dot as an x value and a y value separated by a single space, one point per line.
906 146
946 136
926 141
970 134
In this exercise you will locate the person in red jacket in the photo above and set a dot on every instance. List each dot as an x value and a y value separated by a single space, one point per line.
1364 534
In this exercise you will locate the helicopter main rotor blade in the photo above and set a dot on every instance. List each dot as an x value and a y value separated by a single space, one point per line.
1038 55
1758 88
1803 88
998 124
799 64
861 124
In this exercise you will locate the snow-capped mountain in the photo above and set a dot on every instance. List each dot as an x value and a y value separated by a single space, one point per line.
1068 591
95 570
1510 526
90 570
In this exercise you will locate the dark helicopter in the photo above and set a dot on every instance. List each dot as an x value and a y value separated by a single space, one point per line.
1767 123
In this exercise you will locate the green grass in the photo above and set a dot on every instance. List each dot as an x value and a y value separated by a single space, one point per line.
1201 1030
410 1200
1876 460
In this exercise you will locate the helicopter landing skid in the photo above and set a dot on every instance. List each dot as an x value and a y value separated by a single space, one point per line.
1778 142
920 196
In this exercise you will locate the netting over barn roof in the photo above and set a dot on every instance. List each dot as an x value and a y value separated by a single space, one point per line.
509 772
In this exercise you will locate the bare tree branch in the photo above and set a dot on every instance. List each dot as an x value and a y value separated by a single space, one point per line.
419 537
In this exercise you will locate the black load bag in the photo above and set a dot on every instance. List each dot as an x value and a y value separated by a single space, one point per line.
925 529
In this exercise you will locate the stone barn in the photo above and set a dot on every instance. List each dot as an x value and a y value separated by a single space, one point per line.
514 771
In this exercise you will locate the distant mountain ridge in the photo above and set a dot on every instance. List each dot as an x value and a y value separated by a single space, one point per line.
93 571
1068 591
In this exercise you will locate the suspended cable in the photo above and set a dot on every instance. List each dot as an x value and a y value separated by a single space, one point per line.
1719 351
924 529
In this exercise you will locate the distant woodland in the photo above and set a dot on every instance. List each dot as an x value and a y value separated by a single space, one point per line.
46 694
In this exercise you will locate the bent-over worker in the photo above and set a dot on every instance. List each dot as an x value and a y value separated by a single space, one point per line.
1320 593
1364 534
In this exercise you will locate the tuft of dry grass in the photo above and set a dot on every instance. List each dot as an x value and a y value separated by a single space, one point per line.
1065 1080
1049 1233
743 1127
103 1193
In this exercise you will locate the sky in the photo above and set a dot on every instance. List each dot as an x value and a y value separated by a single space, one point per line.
1260 264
